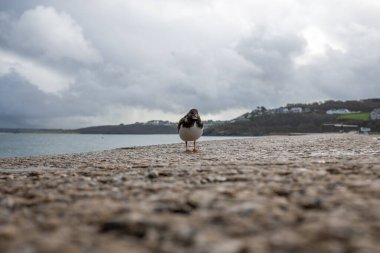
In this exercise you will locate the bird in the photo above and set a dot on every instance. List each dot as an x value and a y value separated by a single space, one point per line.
190 127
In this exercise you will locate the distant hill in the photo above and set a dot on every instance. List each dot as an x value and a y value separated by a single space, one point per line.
136 128
150 127
35 131
300 118
364 105
292 118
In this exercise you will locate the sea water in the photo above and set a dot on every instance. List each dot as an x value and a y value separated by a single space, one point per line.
21 145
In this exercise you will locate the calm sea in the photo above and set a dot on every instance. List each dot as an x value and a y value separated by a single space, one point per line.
19 145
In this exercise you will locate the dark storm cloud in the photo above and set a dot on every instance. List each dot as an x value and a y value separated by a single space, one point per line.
23 104
125 61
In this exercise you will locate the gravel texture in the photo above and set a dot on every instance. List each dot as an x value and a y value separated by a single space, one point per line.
307 193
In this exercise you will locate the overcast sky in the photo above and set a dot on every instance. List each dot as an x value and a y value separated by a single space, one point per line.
73 63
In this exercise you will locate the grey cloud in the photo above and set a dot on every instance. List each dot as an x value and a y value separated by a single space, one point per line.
273 54
125 55
46 34
343 75
22 104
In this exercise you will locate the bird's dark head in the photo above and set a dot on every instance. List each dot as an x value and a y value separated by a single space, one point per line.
193 114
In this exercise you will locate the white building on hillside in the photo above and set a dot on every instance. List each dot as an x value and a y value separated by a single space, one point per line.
338 111
281 110
375 114
296 109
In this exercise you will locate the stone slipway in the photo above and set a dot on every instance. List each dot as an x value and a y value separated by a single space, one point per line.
310 193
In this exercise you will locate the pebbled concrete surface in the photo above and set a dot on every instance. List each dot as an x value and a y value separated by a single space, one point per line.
308 193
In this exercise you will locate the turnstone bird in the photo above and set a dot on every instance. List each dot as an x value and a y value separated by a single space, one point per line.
190 127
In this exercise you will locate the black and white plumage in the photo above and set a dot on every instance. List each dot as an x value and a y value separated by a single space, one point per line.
190 127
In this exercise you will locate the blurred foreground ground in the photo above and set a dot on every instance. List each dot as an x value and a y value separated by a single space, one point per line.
310 193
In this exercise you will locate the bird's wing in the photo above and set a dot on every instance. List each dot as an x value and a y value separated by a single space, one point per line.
199 123
180 123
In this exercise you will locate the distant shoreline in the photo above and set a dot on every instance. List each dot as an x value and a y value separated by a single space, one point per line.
69 132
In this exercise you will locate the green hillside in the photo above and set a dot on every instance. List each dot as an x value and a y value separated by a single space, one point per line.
355 116
312 119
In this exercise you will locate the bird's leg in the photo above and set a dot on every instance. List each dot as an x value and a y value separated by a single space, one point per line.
194 147
186 145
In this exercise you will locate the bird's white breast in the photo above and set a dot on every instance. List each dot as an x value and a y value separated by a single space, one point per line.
190 134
